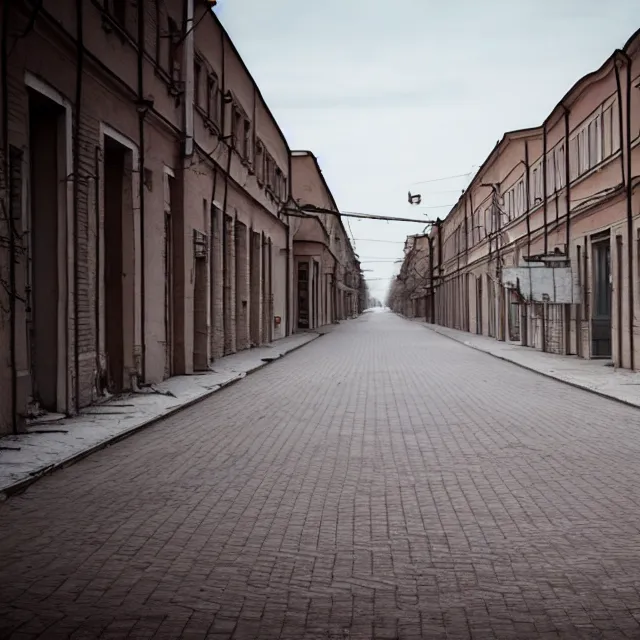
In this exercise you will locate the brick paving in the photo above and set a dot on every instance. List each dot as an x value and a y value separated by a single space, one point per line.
383 482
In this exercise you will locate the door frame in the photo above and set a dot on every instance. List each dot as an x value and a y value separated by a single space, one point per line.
66 248
132 359
597 242
169 312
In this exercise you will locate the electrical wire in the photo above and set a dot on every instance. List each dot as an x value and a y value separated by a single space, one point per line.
460 175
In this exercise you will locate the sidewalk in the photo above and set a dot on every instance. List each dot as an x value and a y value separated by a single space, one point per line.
55 441
592 375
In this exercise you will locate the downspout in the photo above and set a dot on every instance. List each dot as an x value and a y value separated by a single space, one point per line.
9 220
544 186
223 119
528 194
76 193
432 304
189 80
270 306
472 235
99 376
465 288
629 184
225 249
567 181
620 119
289 319
142 112
289 277
440 267
567 176
625 137
212 262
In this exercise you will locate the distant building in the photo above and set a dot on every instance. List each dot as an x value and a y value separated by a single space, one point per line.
328 282
542 248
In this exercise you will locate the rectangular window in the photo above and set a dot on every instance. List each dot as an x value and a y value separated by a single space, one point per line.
268 171
259 164
534 192
173 62
607 139
574 157
212 97
615 128
551 174
117 9
16 157
559 166
236 126
246 144
197 81
583 146
593 133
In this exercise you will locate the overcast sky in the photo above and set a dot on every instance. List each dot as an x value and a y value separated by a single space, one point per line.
391 94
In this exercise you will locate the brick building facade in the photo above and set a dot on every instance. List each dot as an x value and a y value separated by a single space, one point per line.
542 247
327 270
144 185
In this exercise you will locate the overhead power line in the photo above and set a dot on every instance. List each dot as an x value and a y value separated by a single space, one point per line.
460 175
307 210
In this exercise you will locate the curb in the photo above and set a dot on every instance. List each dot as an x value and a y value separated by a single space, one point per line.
550 376
21 485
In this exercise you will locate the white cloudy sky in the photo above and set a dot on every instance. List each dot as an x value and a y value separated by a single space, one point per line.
391 94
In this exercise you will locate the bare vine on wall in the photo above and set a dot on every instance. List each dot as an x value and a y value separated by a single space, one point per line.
11 239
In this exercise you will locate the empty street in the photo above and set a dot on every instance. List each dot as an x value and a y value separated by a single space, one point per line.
382 482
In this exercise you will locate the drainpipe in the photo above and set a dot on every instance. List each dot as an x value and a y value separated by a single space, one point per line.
629 216
528 193
8 209
289 277
625 137
189 78
620 118
440 266
225 250
567 180
76 193
567 175
289 319
99 376
544 186
432 304
142 112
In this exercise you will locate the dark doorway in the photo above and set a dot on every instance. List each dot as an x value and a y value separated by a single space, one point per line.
316 294
242 287
200 301
601 314
303 295
115 161
45 117
491 297
255 263
169 207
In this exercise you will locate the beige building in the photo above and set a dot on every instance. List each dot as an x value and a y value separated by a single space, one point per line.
328 280
542 248
143 230
410 289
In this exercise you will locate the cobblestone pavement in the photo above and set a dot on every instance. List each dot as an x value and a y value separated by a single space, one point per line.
383 482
